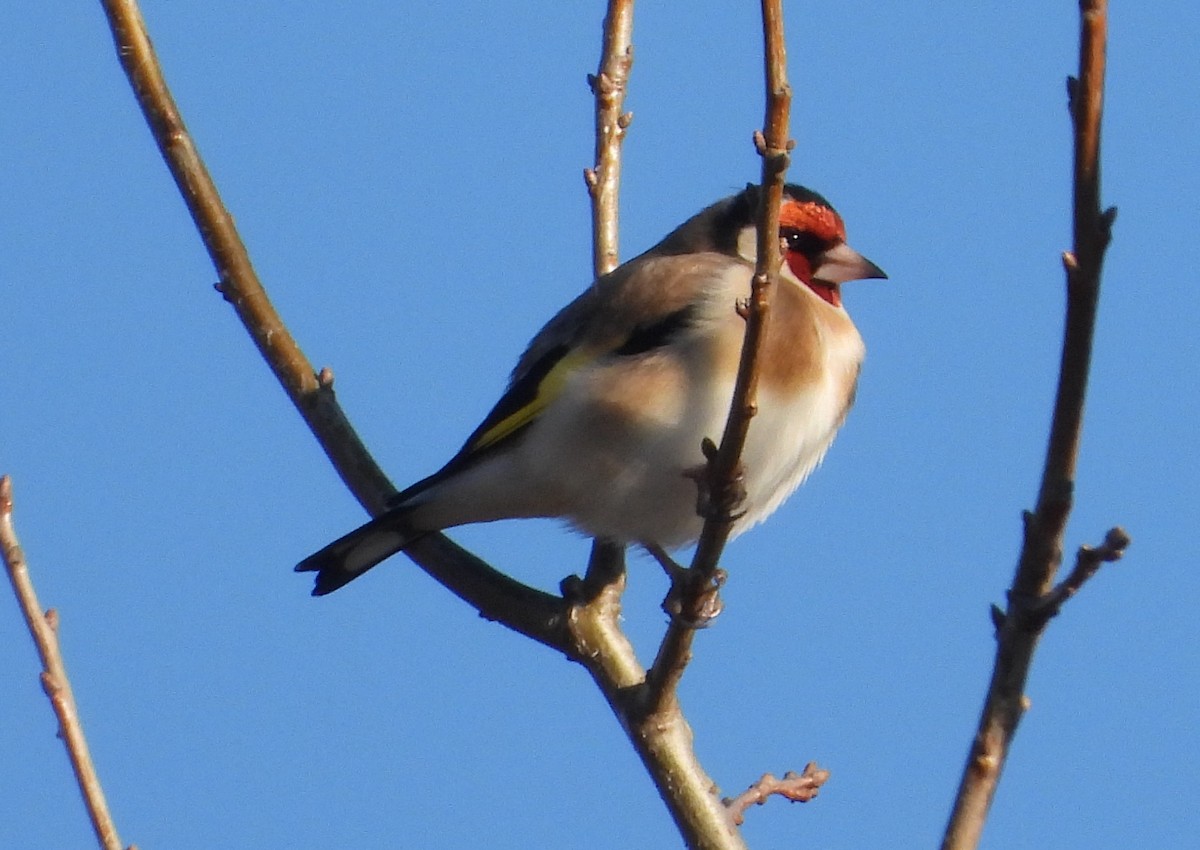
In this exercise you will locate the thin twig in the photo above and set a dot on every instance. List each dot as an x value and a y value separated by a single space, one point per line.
664 745
1033 597
722 485
43 628
797 787
1088 560
497 596
609 85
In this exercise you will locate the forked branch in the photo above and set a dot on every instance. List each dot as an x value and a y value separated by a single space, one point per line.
1033 598
585 624
665 742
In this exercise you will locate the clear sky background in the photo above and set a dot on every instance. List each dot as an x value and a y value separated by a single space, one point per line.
407 177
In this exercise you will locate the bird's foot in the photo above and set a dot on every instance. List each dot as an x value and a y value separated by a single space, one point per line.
717 499
694 600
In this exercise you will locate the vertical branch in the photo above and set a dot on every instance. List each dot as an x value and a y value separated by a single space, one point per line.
44 630
1092 233
609 85
773 146
664 742
699 601
1033 598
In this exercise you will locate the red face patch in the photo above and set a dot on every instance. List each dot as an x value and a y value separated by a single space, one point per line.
814 218
824 226
828 291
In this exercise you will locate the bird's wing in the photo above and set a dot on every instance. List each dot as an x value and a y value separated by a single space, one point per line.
634 310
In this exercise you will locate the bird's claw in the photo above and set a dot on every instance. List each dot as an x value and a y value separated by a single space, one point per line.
694 600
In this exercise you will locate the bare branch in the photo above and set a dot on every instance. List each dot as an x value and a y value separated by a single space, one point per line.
797 787
721 488
1088 561
498 597
609 85
43 628
1033 598
664 743
773 146
1092 233
586 626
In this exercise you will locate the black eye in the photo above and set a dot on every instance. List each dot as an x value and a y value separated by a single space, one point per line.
802 242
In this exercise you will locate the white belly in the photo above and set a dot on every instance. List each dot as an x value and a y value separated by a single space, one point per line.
631 483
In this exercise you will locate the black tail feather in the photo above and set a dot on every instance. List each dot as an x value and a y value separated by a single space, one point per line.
348 557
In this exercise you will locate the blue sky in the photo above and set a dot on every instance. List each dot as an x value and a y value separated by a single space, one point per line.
407 178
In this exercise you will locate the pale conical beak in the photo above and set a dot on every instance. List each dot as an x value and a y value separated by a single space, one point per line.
842 263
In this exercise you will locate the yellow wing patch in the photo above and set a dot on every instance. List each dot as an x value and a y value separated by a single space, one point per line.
548 389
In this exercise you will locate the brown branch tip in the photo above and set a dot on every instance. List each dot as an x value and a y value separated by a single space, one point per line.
797 787
1088 561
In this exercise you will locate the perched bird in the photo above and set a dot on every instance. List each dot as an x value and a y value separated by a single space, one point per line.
604 415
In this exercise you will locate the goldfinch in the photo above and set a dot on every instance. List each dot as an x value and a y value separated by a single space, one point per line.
604 415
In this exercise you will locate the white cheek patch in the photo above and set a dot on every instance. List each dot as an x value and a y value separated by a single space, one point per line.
747 244
747 248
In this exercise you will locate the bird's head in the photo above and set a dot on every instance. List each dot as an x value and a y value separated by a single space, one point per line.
812 237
